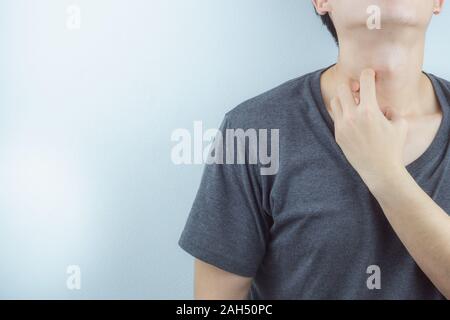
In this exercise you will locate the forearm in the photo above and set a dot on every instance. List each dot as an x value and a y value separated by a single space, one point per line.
422 226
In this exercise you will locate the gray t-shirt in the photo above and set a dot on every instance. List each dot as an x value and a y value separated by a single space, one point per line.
312 230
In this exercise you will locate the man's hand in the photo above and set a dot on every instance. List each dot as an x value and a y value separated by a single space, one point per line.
372 144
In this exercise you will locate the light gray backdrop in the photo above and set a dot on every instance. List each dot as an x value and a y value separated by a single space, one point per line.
90 93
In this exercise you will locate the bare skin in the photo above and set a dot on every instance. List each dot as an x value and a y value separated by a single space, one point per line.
374 146
422 125
212 283
386 115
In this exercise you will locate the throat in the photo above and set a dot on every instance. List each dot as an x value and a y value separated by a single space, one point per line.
408 94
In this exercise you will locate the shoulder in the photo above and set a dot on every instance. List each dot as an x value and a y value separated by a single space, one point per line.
441 80
441 86
274 104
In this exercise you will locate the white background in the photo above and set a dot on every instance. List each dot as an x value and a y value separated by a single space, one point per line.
86 117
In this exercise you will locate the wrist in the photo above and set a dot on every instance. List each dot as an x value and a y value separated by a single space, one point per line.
389 181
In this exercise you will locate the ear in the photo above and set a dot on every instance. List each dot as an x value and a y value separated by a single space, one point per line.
438 5
322 6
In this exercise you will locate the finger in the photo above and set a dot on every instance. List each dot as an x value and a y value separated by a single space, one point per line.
356 98
355 90
355 86
336 109
368 92
388 113
346 99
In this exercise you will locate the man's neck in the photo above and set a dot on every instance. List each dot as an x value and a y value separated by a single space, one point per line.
402 88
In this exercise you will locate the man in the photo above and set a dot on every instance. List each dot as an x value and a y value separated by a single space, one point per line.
359 206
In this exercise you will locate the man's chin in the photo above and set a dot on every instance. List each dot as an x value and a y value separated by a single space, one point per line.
403 20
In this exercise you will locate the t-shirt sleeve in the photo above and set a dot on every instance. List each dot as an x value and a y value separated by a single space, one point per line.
227 226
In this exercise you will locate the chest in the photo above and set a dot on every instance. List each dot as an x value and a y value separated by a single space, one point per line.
421 133
323 190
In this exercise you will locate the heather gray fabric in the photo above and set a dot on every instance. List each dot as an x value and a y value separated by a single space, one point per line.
312 230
